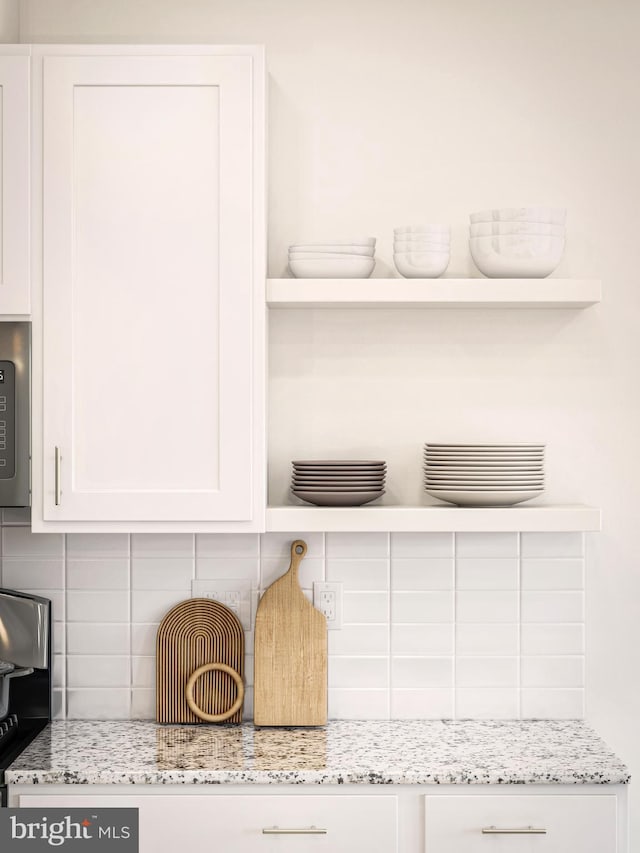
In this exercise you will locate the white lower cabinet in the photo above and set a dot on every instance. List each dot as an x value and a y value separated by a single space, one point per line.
501 824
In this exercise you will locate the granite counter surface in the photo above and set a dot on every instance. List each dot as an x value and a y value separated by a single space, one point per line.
402 752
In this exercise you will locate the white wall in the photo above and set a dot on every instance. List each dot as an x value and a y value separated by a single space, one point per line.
384 113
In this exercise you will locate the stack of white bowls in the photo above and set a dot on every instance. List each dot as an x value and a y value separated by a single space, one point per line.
484 474
421 251
338 482
335 259
517 242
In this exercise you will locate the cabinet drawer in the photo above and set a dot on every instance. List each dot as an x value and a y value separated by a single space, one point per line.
571 824
201 824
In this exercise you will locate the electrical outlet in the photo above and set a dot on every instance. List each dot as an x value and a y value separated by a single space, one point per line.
327 598
232 592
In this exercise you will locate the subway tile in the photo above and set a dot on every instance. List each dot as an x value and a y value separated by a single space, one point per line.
552 545
107 606
102 574
427 703
421 672
549 639
552 703
362 672
357 545
279 544
487 606
156 573
500 703
248 670
21 542
162 545
421 545
422 640
557 606
98 704
552 671
150 605
487 672
365 607
486 573
247 707
500 545
58 639
422 606
224 568
425 573
347 704
359 574
143 638
143 703
98 671
58 704
227 545
94 545
58 670
16 515
359 640
487 639
28 574
93 638
143 671
272 568
553 574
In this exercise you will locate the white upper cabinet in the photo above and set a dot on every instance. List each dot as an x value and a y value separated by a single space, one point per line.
15 284
152 292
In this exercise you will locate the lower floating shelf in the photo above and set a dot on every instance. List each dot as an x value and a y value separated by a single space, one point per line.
407 519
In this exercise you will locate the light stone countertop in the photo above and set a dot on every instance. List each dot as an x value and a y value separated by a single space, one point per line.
390 752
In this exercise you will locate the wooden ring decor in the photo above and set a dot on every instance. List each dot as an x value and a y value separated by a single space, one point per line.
191 702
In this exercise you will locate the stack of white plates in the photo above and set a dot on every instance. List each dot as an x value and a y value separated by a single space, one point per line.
421 251
517 242
335 259
484 474
342 482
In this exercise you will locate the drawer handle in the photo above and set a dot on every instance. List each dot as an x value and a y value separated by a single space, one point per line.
57 489
304 830
516 830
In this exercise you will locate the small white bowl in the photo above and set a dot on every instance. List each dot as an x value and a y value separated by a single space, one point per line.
347 267
548 215
497 259
488 229
356 241
421 264
340 248
421 245
422 229
321 256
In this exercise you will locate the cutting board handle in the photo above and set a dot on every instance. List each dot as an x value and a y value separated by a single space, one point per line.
298 550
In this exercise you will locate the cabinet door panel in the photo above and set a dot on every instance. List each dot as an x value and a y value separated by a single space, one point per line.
148 288
14 185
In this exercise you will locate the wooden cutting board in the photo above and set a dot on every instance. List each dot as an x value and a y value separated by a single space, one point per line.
290 678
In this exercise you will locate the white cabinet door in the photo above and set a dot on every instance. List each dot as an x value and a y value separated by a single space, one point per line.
15 284
152 278
527 824
293 824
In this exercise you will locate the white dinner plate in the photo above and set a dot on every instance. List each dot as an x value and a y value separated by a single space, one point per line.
519 445
463 497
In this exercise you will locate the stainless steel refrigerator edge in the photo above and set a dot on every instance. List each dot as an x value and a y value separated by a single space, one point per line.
15 410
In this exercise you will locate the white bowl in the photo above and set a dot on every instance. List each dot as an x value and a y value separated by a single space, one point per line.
341 248
321 256
488 229
356 241
400 246
532 257
347 267
549 215
421 264
422 229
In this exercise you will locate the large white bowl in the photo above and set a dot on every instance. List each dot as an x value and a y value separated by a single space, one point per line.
422 229
400 246
421 264
508 256
550 215
489 229
321 256
356 241
347 267
341 248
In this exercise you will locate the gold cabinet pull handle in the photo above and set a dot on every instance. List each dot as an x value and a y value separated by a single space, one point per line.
57 486
191 702
516 830
303 830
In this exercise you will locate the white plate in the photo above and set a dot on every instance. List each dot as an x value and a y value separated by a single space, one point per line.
463 497
498 467
505 459
481 479
468 488
338 463
518 444
331 485
337 498
333 268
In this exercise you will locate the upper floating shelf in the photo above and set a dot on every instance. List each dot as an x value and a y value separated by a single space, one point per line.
433 292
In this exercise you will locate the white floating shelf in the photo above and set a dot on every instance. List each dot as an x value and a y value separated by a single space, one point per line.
433 292
406 519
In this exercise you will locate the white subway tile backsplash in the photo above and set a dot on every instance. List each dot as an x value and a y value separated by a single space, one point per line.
421 545
487 606
357 545
58 639
552 545
98 671
29 574
549 639
99 704
279 544
553 671
143 703
162 545
107 606
499 545
552 606
346 704
486 573
359 574
235 545
365 607
427 703
21 542
92 545
16 515
425 573
487 639
500 703
422 606
487 672
58 704
93 638
552 703
102 574
143 671
553 574
59 671
156 573
422 640
150 605
359 639
143 638
272 568
216 568
362 672
422 672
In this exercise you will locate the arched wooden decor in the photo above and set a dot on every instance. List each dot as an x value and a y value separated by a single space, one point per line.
195 633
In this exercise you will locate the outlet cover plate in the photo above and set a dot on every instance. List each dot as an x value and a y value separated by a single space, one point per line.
235 593
327 598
